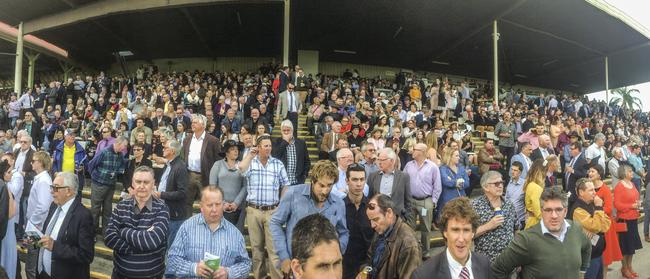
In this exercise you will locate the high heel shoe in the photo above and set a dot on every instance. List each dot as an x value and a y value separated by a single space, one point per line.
626 273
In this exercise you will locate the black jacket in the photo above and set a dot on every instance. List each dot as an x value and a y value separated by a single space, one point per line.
302 157
74 247
174 194
438 267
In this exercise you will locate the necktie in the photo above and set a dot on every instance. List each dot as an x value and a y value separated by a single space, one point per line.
464 273
290 101
47 265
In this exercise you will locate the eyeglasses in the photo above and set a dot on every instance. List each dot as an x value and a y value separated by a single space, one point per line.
24 141
106 132
551 210
498 183
56 188
140 149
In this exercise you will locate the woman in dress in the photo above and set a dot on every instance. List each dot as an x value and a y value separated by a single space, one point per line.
453 176
612 251
225 174
627 202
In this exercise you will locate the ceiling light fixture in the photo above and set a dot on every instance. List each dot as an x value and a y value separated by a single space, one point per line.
521 76
125 53
441 63
399 30
345 51
549 62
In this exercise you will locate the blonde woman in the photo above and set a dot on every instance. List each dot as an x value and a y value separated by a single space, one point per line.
533 188
453 176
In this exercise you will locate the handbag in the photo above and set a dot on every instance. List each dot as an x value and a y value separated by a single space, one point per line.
620 226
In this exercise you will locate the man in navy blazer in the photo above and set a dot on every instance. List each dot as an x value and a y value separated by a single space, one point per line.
524 158
458 223
575 169
68 244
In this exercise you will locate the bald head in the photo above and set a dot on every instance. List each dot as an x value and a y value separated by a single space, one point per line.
544 141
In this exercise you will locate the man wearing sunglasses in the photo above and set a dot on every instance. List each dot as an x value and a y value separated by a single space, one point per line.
395 251
68 244
497 217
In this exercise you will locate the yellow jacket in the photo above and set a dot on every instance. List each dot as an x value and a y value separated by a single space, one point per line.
533 207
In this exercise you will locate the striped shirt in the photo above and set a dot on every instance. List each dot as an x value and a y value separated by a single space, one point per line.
138 239
264 182
194 239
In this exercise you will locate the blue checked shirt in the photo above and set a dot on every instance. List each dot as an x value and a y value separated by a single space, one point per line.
194 238
265 182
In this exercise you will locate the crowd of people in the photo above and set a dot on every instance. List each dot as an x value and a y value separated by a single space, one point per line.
398 160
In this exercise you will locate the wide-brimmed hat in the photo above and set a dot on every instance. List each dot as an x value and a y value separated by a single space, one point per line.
231 143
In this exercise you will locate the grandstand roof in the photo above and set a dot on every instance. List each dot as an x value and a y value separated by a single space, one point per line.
558 44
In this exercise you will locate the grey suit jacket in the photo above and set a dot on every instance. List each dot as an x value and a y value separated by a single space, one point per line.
438 267
401 193
283 103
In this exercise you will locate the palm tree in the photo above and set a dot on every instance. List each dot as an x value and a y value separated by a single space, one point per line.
626 99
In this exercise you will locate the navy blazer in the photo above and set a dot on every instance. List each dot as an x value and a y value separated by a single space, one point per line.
74 247
438 267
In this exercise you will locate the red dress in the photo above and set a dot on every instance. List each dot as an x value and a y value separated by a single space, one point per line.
612 251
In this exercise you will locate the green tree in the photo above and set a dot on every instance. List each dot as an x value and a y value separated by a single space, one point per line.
625 99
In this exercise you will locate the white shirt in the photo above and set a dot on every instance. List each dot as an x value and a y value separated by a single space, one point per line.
39 200
162 186
455 267
47 254
20 160
563 232
594 151
194 156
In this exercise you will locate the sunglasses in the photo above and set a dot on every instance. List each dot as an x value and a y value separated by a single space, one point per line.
56 188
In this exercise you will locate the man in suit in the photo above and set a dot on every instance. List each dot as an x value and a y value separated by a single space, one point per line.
458 223
200 151
577 168
68 246
391 181
160 120
284 79
328 144
172 188
289 105
181 118
32 126
523 157
293 154
545 148
23 165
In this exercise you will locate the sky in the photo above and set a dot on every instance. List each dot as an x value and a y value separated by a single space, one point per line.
636 9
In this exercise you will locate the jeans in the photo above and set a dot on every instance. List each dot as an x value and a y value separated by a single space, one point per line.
595 270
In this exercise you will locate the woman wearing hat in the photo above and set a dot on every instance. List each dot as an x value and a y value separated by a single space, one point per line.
225 174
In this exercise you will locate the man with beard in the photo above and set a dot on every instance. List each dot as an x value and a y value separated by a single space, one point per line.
303 200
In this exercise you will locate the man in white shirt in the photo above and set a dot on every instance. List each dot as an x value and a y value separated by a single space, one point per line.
38 205
596 151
